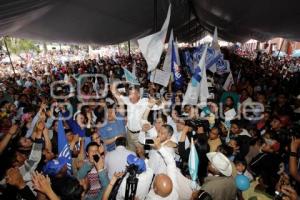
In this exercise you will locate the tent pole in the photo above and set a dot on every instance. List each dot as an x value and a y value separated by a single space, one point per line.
129 48
280 48
8 53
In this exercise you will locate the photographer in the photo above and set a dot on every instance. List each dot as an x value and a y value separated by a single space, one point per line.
142 175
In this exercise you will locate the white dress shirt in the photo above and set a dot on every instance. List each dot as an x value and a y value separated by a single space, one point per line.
135 112
116 160
144 184
171 172
156 161
159 163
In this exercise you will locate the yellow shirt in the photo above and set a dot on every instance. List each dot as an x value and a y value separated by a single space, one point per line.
213 144
252 194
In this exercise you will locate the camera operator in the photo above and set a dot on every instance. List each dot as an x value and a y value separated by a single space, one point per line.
137 181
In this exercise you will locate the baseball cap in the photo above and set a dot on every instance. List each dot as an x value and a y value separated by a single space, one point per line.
52 167
140 163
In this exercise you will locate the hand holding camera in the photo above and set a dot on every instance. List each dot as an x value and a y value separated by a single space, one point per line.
98 162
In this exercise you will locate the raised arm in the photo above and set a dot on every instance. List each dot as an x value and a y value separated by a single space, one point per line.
151 103
114 91
293 162
4 142
181 144
48 144
35 120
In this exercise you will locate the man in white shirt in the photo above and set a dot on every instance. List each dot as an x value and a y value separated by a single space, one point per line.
116 160
159 164
136 107
165 184
156 161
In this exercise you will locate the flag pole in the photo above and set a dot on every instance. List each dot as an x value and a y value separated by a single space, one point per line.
280 48
8 53
129 48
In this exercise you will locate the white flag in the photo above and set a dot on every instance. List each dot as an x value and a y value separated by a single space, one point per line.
134 69
215 44
177 53
152 46
228 83
191 95
167 62
204 93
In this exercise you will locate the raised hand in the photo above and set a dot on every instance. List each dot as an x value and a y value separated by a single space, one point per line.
13 129
41 183
157 143
289 193
100 164
14 178
295 144
116 176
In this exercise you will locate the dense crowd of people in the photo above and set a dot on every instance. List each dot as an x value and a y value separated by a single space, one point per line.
68 134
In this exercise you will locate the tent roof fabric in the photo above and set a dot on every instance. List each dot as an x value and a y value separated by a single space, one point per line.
114 21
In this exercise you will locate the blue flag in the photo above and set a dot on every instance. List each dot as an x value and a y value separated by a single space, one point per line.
176 70
196 78
214 60
63 146
188 60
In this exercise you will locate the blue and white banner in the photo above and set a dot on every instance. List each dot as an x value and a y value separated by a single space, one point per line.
214 60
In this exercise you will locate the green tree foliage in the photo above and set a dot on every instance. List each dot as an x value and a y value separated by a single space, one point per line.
18 46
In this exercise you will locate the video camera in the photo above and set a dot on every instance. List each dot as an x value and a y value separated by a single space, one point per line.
131 182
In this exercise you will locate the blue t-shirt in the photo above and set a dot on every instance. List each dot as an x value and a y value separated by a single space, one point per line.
111 130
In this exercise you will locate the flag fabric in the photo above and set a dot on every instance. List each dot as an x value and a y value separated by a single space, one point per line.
176 70
204 93
214 60
152 46
193 162
187 59
134 69
229 82
192 94
215 44
168 57
130 78
177 53
222 66
63 146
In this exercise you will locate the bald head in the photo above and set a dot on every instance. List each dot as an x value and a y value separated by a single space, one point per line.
163 185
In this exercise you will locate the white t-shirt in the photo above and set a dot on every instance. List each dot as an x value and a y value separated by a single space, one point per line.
135 113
